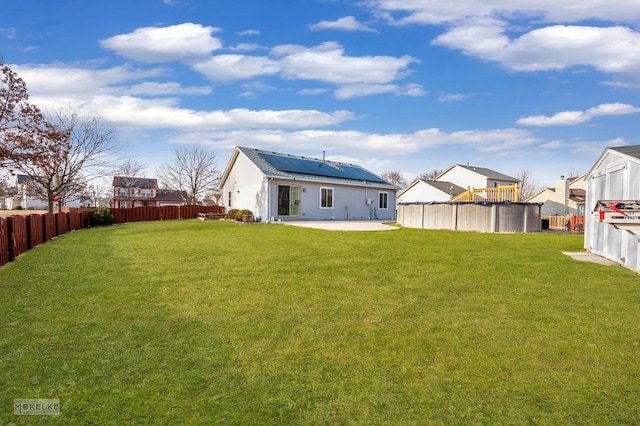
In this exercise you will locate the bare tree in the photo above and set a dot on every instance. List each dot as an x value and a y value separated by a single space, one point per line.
528 185
395 178
129 174
68 151
430 175
194 171
574 173
98 190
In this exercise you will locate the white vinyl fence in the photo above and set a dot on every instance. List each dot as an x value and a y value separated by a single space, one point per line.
480 217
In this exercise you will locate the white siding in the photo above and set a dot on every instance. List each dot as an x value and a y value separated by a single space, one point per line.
245 188
615 177
423 192
464 178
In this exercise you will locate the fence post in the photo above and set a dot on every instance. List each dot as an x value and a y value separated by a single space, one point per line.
4 242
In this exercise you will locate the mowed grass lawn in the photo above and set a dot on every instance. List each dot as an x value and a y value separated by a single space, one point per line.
190 322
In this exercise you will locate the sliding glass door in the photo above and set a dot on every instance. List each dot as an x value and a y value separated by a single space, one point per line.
289 200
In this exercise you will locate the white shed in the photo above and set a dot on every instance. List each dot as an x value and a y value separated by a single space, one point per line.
612 222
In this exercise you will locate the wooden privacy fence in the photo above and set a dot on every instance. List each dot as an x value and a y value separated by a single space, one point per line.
563 222
145 214
21 233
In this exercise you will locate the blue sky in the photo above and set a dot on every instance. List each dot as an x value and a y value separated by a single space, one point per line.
392 85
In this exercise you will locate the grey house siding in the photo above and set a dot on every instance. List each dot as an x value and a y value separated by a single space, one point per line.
349 202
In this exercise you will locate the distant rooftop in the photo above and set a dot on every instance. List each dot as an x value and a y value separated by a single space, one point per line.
491 174
134 182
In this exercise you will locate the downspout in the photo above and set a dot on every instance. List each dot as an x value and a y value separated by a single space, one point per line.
268 218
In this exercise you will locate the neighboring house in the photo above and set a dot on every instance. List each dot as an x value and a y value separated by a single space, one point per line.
134 192
170 197
429 190
453 182
612 227
213 198
568 197
19 195
275 186
475 177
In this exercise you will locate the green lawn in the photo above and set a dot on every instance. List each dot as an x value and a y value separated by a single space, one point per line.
190 322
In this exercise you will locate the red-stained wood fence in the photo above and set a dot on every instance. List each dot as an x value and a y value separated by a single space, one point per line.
21 233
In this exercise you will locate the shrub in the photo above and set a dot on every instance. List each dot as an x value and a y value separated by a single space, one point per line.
241 213
18 208
101 217
231 214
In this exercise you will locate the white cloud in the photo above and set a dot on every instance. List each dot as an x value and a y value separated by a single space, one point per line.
609 50
327 62
249 33
595 148
443 11
451 97
312 92
614 49
9 33
107 94
245 47
490 142
153 88
166 114
356 90
570 118
61 81
174 43
236 67
194 45
348 23
489 30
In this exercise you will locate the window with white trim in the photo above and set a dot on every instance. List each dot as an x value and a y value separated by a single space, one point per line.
326 198
383 200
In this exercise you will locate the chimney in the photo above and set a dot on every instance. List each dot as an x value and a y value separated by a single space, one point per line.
323 157
562 189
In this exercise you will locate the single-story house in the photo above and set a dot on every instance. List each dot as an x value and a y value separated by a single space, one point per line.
276 186
429 190
568 197
612 220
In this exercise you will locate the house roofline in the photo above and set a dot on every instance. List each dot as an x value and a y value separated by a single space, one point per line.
604 154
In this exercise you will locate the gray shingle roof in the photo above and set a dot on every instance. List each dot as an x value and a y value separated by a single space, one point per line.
633 150
274 164
491 174
145 183
446 187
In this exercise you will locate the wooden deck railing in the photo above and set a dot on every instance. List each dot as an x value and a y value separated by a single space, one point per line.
500 193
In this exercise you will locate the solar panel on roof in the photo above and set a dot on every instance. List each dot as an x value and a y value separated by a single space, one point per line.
318 168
